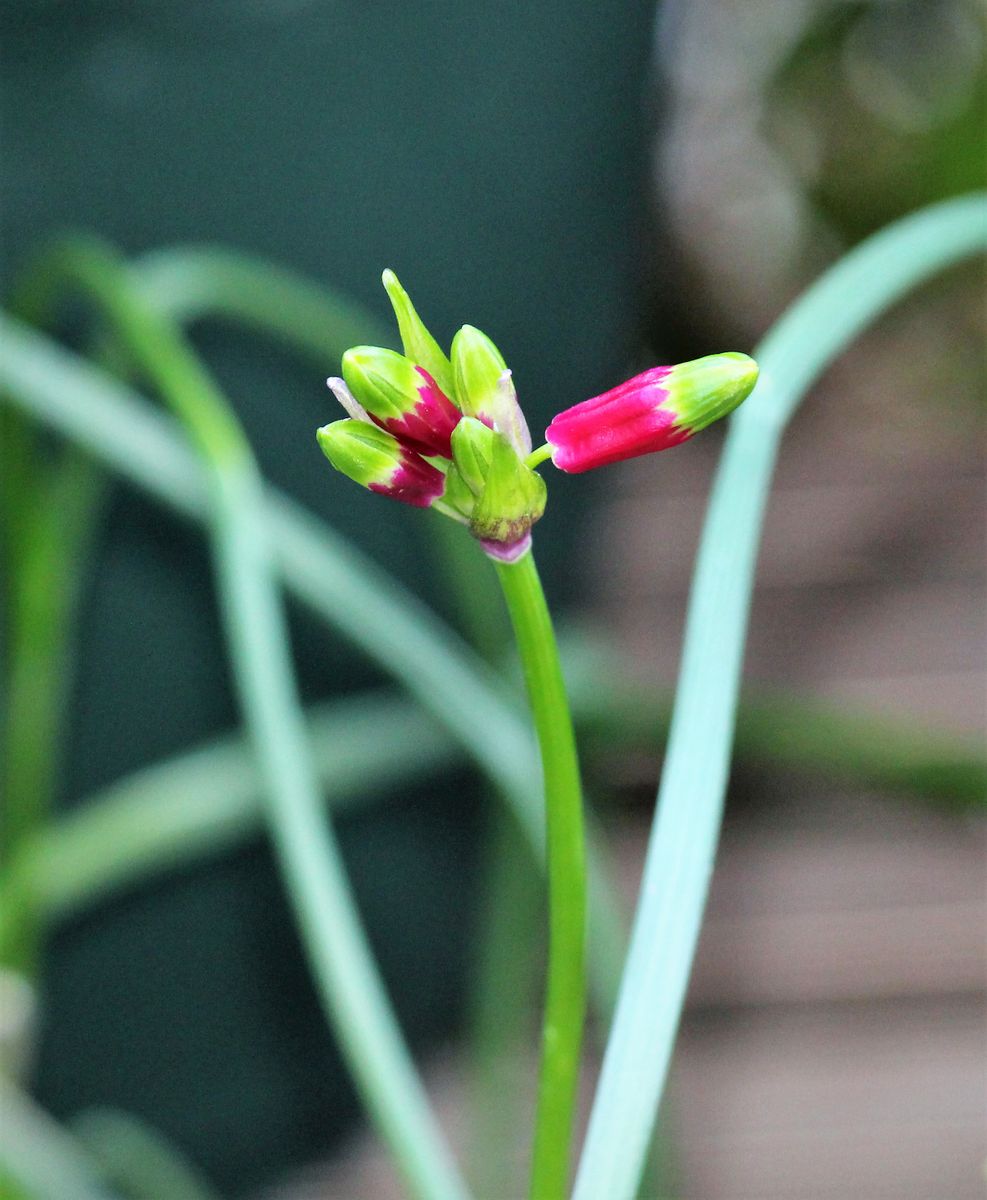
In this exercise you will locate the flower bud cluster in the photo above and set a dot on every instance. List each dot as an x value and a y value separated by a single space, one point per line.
438 433
448 433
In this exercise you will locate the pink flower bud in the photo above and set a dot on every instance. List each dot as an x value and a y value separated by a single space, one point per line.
653 411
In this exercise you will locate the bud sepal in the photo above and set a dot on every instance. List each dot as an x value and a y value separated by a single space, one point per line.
491 487
418 343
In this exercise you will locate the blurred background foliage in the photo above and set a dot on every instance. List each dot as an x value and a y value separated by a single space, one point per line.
789 131
595 185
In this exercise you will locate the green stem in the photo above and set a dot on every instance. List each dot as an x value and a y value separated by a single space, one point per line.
44 583
537 457
565 1000
502 979
49 515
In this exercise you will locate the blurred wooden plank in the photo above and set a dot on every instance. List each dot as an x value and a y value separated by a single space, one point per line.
881 855
795 958
893 909
814 534
849 1102
918 649
948 700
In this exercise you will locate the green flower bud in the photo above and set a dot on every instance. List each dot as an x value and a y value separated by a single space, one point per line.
377 461
493 489
472 451
484 387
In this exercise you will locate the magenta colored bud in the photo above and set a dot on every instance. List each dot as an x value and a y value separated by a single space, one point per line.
402 398
653 411
379 462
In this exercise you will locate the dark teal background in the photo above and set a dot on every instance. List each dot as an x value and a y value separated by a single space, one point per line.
494 156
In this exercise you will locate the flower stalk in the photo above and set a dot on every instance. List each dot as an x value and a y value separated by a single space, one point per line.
565 998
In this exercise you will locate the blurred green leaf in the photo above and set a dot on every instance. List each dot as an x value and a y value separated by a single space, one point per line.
137 1159
41 1158
342 964
209 799
187 283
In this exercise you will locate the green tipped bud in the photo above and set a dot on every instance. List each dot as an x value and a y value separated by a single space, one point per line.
655 410
402 398
512 500
418 343
376 460
493 489
484 387
473 448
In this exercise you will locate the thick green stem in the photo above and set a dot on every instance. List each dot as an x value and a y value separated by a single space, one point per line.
565 1000
501 991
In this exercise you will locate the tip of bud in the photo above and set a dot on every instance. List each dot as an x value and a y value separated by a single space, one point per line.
485 389
365 356
377 461
710 388
741 370
419 345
